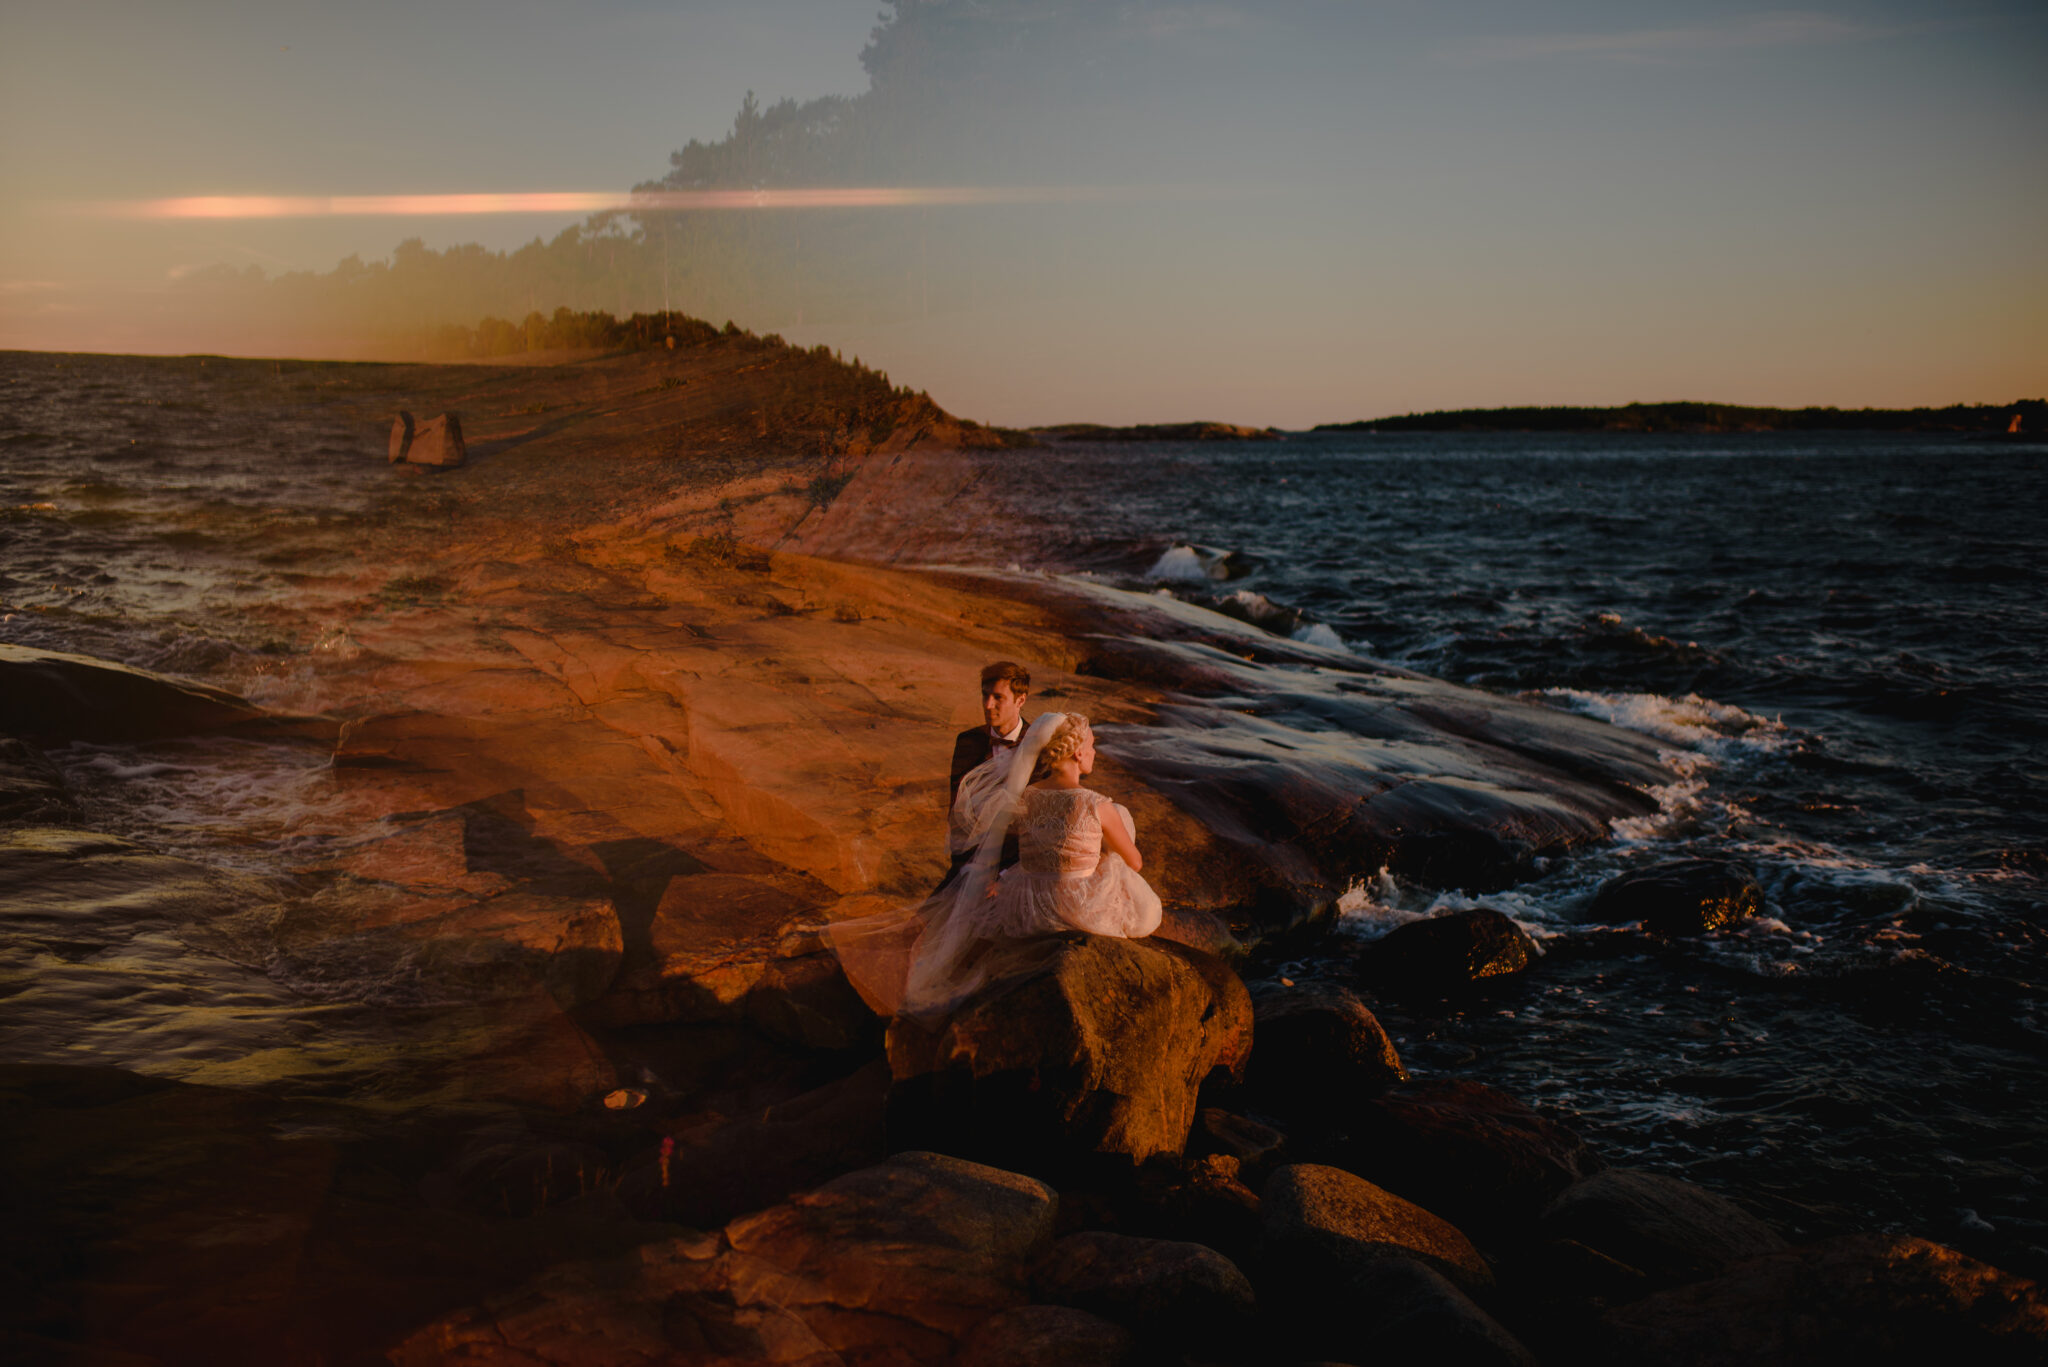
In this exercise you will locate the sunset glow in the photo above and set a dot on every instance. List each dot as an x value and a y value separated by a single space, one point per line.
591 202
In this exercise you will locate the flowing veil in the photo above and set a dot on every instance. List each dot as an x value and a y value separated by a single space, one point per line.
923 960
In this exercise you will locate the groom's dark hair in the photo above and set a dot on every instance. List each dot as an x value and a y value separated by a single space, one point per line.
1018 676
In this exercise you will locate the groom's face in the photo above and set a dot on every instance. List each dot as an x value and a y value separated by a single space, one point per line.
1001 705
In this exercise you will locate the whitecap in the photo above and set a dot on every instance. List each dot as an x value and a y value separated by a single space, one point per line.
1319 634
1180 564
1692 721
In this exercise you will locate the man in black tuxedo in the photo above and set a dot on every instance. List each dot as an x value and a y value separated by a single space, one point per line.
1005 685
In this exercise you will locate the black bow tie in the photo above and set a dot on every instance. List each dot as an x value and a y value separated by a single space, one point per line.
1004 741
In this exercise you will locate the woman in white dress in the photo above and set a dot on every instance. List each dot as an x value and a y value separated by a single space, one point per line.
1078 860
1077 870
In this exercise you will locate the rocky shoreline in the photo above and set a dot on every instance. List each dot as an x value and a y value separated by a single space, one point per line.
606 767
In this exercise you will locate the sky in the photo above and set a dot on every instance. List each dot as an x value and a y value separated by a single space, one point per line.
1322 209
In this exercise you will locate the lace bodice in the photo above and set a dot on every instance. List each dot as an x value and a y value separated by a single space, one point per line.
1059 830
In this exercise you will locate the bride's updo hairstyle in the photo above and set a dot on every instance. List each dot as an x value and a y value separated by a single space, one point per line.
1065 743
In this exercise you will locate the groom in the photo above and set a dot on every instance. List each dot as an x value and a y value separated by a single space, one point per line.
1005 685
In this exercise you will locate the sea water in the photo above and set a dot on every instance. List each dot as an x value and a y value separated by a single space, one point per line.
1837 641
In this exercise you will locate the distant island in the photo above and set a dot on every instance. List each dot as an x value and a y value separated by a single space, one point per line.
1715 417
1159 431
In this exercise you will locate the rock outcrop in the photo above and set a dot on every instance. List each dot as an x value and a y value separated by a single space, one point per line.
1320 1224
1441 955
1666 1230
1082 1049
1317 1050
1048 1336
1169 1292
1473 1154
401 439
900 1262
1680 896
437 442
1868 1298
77 697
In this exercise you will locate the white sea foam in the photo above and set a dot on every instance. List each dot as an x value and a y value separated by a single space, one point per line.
1702 724
1372 907
1319 634
1180 565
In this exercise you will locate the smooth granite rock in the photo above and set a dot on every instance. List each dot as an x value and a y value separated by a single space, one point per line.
1081 1048
1322 1223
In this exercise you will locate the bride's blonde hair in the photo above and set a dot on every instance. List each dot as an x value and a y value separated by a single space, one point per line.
1065 744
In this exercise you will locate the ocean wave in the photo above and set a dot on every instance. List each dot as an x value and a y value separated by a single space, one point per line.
1373 907
1190 564
1715 728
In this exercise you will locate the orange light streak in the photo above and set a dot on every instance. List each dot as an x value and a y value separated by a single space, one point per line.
582 202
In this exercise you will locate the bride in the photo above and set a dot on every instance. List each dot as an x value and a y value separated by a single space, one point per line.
1077 869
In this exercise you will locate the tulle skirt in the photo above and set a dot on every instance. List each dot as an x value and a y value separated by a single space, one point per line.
1113 900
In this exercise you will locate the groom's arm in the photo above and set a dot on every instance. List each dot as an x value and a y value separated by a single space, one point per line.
970 748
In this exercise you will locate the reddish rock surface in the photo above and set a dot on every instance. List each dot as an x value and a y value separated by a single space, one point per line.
1322 1222
1083 1048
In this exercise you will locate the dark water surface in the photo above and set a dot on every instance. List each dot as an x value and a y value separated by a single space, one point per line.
1843 640
1838 638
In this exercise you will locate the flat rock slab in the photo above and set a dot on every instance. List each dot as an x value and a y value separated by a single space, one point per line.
1865 1298
1048 1336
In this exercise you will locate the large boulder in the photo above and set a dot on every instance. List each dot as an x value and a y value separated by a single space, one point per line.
438 441
1321 1224
1667 1230
1318 1051
1439 955
907 1256
1164 1289
1200 1200
1082 1048
1680 896
1872 1299
1476 1155
895 1263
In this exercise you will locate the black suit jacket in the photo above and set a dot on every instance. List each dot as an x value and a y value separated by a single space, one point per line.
970 748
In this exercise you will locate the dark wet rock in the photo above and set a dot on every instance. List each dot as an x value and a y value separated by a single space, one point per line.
1680 896
1865 1298
1667 1230
1317 1050
1168 1291
31 788
1475 1155
438 441
1444 954
1251 1143
401 439
1200 1200
76 697
1320 1224
1048 1336
717 1171
639 1307
911 1254
1396 1310
898 1262
1082 1048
